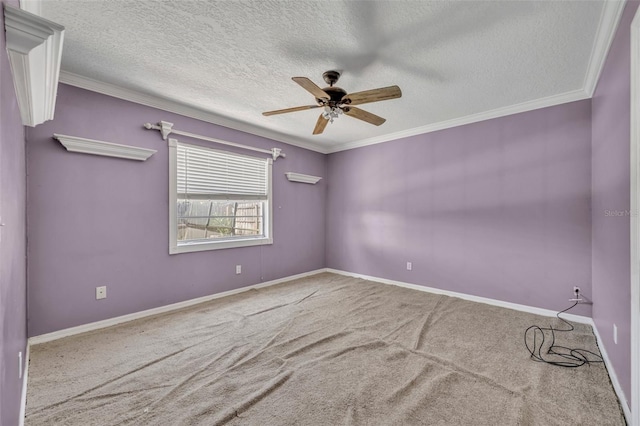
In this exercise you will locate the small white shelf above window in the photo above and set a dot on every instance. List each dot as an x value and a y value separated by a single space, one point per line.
299 177
107 149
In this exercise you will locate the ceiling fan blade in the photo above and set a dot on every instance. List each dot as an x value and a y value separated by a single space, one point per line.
363 115
294 109
320 125
311 87
374 95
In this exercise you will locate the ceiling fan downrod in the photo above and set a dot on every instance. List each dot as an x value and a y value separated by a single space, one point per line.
331 77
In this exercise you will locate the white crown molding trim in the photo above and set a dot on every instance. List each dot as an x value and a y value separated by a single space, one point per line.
181 109
515 306
107 149
576 95
609 20
187 111
48 337
612 375
34 46
23 394
299 177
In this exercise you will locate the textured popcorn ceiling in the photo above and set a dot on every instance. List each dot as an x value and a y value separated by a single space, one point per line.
236 59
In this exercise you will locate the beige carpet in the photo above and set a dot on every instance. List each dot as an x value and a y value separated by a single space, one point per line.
325 350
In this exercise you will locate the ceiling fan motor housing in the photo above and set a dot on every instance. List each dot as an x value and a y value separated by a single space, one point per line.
335 95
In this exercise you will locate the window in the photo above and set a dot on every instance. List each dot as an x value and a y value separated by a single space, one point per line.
218 199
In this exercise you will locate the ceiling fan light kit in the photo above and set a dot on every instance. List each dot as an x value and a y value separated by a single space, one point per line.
331 113
336 101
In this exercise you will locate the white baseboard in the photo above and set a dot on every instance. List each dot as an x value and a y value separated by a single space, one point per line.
23 395
612 374
524 308
155 311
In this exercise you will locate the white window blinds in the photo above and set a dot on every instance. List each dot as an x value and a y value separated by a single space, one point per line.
204 173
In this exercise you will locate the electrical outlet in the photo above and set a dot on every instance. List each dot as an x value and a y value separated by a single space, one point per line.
101 292
409 266
577 296
238 269
615 334
20 365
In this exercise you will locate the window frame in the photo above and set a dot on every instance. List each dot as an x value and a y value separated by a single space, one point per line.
176 248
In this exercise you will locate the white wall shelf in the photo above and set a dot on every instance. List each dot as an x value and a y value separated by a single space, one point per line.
107 149
299 177
34 45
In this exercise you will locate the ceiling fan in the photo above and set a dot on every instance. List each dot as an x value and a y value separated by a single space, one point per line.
337 101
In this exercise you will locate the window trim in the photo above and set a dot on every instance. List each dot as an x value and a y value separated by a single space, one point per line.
175 248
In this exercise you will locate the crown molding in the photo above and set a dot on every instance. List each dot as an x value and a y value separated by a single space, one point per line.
34 47
187 111
107 149
608 24
609 20
299 177
182 109
573 96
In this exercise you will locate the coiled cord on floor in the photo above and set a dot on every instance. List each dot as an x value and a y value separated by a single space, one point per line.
572 357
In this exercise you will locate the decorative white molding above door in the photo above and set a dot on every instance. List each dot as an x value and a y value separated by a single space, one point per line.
34 45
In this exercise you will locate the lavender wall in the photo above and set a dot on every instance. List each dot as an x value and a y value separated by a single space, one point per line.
13 292
610 191
498 209
104 221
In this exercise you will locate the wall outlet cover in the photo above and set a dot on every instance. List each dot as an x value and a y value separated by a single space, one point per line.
101 292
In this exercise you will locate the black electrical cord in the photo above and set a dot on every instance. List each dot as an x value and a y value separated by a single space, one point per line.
572 357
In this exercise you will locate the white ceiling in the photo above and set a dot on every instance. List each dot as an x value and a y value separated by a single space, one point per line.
231 60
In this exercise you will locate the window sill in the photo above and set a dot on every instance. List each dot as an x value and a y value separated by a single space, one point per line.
218 245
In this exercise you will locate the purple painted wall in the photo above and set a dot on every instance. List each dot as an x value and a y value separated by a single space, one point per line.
610 191
13 280
104 221
511 209
498 209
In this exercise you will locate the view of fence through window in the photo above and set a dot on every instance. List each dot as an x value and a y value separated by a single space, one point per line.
208 219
